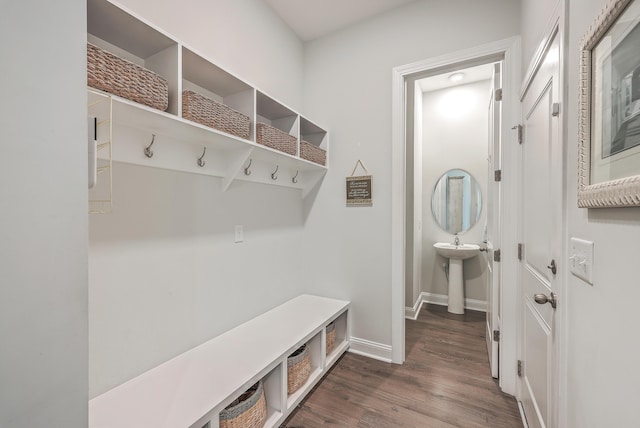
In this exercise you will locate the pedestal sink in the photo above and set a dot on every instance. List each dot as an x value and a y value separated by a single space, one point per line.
456 254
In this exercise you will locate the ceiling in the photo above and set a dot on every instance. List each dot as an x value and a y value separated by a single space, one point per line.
311 19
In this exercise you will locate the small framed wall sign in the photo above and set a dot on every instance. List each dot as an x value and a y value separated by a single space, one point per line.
359 188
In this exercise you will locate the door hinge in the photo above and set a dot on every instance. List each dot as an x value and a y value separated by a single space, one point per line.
496 256
498 94
520 368
520 251
520 133
497 175
555 110
496 335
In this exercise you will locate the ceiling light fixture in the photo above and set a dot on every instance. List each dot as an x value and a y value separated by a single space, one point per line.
456 77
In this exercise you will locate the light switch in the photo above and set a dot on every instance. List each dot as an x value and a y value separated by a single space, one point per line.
581 259
239 236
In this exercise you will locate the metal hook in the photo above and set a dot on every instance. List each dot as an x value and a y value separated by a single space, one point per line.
273 174
246 170
295 177
147 151
201 162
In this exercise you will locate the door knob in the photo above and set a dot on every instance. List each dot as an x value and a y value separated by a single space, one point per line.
553 266
541 299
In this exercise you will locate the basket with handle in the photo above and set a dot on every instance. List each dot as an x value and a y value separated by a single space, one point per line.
198 108
109 73
270 136
247 411
312 153
298 369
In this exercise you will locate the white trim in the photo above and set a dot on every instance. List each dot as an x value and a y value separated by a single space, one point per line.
442 300
510 48
367 348
522 416
412 313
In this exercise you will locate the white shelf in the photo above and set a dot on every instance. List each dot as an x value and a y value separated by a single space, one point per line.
190 389
180 142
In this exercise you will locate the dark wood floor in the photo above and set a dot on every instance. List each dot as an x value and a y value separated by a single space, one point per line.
444 382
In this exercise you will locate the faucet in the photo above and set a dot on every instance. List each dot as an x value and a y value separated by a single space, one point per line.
456 240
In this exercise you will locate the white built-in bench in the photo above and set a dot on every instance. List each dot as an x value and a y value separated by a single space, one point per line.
189 390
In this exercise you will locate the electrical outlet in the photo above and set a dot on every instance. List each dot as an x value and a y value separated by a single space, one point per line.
581 259
239 234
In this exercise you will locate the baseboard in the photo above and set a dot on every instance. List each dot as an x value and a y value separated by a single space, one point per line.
412 313
522 415
442 300
366 348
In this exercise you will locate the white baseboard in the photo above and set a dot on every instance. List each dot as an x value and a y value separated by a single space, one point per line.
442 300
366 348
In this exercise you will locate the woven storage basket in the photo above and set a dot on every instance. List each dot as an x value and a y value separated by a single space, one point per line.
331 337
248 411
107 72
312 153
298 369
276 139
213 114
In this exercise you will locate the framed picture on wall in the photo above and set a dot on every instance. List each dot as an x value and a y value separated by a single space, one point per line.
609 117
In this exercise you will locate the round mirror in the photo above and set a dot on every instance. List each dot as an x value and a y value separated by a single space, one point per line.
456 202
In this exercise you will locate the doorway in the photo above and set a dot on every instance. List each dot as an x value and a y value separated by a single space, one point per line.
403 90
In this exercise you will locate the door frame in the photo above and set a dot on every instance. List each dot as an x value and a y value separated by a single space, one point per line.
509 50
555 28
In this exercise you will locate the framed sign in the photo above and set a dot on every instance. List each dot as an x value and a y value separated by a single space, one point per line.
609 114
359 188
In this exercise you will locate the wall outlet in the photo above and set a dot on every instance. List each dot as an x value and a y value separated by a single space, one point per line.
581 259
239 234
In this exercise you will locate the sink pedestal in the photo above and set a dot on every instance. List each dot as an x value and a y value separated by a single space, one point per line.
456 254
456 287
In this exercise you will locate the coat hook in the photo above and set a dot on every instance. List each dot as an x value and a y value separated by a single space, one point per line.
247 171
147 151
273 174
201 158
295 177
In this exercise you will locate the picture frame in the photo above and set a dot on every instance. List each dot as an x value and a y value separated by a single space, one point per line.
609 109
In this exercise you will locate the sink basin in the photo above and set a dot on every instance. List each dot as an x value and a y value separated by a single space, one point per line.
457 252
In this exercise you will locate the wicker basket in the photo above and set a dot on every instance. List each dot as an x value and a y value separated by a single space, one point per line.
276 139
312 153
298 369
247 411
213 114
331 337
107 72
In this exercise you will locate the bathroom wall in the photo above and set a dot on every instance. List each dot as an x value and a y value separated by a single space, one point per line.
454 137
164 271
348 87
43 220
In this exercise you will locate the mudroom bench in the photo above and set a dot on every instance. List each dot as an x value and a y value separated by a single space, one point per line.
191 389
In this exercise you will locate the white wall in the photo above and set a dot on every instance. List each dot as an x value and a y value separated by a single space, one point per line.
43 220
164 271
602 370
244 37
535 17
348 89
457 141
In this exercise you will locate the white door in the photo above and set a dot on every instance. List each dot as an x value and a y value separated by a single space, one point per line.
541 269
493 224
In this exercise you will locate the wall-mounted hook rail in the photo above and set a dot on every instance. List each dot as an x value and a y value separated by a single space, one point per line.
147 151
201 162
247 171
295 177
273 174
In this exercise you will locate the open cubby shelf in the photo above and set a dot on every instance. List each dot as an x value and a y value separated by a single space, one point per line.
179 142
191 389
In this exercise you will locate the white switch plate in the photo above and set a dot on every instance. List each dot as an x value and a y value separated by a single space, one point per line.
581 259
239 235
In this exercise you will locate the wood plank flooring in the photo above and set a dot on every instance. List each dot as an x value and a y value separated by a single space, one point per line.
444 382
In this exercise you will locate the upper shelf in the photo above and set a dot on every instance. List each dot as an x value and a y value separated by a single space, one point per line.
179 142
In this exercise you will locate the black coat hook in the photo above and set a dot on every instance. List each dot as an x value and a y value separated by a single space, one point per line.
247 171
295 177
201 162
273 174
147 151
